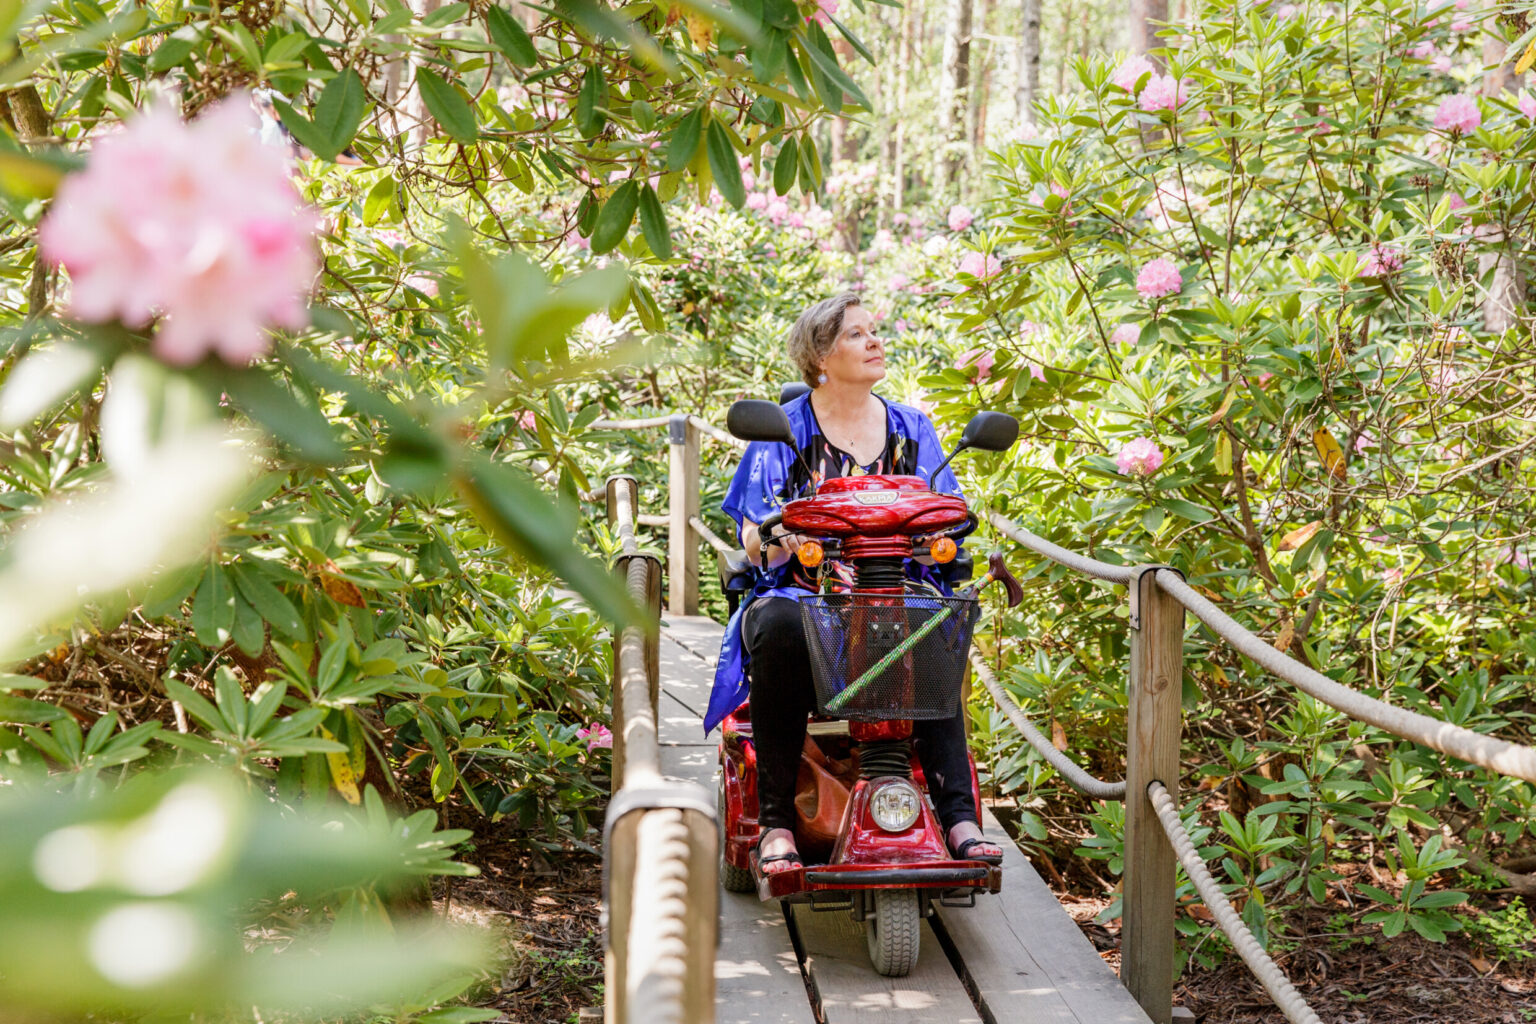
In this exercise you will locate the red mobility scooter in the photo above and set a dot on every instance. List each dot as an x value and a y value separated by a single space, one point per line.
884 652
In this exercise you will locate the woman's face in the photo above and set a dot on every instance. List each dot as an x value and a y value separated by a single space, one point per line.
858 355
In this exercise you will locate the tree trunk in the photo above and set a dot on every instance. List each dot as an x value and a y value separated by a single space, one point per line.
953 89
413 109
1145 16
1506 290
1027 69
976 114
899 157
1059 49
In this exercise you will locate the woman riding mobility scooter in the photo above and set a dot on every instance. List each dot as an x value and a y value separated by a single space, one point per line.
884 652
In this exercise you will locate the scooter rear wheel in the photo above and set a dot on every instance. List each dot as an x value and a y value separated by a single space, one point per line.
734 879
892 932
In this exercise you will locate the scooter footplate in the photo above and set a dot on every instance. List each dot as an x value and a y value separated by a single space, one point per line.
956 874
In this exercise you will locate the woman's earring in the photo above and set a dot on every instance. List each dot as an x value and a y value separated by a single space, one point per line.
821 378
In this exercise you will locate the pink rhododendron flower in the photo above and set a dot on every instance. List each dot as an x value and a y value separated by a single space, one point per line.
1514 555
1364 443
424 284
1158 278
198 222
1037 195
901 325
527 420
797 219
897 282
597 735
1126 334
898 218
960 217
757 201
1037 371
1263 379
1030 327
981 359
777 209
981 265
1456 201
1461 25
575 241
1130 71
1441 64
1392 577
1380 261
1423 51
1527 104
1285 12
1459 114
826 11
1141 457
1163 92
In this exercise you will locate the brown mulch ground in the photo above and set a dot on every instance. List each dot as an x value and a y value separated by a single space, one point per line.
1350 977
545 906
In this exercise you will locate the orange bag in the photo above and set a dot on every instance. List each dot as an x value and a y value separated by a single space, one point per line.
821 799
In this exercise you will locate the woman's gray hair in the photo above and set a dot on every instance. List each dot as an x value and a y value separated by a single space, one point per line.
812 338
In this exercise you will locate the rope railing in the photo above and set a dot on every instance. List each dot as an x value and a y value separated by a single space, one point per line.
1056 553
660 890
1259 962
710 536
1068 769
1458 741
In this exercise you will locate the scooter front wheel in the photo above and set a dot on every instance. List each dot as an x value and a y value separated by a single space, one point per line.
892 932
734 879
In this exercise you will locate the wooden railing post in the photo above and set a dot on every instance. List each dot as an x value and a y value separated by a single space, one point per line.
1156 687
682 505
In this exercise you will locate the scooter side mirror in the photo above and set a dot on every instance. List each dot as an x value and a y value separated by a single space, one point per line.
793 390
753 419
991 432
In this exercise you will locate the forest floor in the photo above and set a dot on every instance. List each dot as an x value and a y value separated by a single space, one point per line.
545 907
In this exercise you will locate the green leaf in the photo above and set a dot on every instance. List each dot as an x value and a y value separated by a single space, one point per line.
522 516
591 102
276 408
785 165
338 113
684 142
448 106
827 64
250 632
213 609
46 376
723 165
616 216
25 711
653 222
271 602
176 48
170 589
510 37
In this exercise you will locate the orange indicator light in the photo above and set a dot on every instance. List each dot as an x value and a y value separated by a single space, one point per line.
944 550
811 553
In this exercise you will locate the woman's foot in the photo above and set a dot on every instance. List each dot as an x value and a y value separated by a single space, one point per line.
776 851
967 842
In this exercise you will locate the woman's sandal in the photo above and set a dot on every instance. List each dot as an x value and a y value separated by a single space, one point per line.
962 851
778 857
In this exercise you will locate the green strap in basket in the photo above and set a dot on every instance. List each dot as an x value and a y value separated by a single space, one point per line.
838 702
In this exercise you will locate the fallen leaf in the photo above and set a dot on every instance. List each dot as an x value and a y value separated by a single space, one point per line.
1526 59
1200 912
1297 537
1208 592
1329 451
1226 404
1219 677
342 591
1058 735
1287 634
1480 965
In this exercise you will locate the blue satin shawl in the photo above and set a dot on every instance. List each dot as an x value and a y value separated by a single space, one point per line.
758 490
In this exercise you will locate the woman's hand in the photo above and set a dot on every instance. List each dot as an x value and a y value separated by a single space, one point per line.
784 546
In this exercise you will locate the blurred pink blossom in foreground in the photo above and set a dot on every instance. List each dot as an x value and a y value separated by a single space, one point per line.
1363 443
1037 371
1126 334
1131 70
597 735
1514 555
1458 114
1442 379
960 217
1527 104
826 10
1381 260
897 281
1163 92
980 358
1141 457
527 420
424 284
1158 278
198 222
980 265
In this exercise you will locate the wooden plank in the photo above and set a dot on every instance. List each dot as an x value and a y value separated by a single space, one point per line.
682 505
757 976
837 962
1026 958
1152 753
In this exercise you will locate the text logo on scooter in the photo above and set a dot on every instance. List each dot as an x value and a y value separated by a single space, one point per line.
875 497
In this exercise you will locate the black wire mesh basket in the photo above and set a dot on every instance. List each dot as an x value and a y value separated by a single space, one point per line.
866 664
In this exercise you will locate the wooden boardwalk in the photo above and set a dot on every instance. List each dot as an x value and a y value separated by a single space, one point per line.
1014 957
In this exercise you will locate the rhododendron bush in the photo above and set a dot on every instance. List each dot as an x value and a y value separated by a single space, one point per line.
1287 348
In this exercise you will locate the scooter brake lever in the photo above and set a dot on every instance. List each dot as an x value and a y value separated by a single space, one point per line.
998 570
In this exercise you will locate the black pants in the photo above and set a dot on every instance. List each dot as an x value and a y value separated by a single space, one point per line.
783 697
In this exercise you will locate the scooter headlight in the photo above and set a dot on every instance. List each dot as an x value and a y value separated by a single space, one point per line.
895 805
